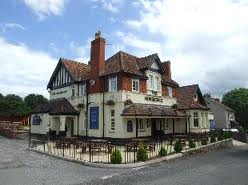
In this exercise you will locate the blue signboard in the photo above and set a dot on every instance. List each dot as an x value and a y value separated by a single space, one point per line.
129 126
36 120
212 124
94 117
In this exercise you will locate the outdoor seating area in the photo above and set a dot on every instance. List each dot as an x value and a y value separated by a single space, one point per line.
100 150
10 129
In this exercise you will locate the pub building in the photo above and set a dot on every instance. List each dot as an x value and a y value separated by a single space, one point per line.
122 97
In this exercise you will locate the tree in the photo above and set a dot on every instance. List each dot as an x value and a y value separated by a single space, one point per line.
33 100
237 100
13 105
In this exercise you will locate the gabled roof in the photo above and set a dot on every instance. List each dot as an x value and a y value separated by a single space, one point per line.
219 103
56 107
139 109
78 71
185 97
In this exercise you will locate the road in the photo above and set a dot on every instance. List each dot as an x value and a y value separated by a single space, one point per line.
20 166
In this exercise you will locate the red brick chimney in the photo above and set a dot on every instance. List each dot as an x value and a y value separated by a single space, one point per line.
97 60
167 68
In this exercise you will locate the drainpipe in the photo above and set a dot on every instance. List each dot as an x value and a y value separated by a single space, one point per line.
103 108
87 107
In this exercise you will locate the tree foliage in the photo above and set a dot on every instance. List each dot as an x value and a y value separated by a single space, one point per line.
33 100
237 100
14 105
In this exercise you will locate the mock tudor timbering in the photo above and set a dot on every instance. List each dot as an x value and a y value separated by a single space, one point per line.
122 97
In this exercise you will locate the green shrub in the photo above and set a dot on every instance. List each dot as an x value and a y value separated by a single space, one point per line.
162 151
204 141
141 153
212 139
191 143
116 157
227 135
178 147
220 137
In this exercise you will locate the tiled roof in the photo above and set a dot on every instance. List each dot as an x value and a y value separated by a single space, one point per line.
167 80
79 71
185 97
220 104
138 109
121 62
56 107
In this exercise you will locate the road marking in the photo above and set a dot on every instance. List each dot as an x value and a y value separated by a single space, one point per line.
109 176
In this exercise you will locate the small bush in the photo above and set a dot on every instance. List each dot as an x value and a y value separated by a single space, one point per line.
162 151
191 143
227 135
141 154
204 141
116 157
178 147
220 137
212 139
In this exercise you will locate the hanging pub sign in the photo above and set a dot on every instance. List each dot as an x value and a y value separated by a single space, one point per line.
36 119
94 117
154 99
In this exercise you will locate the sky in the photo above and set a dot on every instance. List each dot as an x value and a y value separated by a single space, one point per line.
205 40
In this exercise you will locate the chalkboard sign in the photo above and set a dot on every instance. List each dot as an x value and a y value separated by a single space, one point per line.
129 126
36 120
94 117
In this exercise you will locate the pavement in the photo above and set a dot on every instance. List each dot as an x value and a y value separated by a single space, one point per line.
21 166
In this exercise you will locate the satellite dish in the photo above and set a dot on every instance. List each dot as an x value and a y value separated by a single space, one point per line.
92 82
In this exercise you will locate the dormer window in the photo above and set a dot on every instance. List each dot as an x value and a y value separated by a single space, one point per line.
112 84
157 83
196 97
83 90
135 85
151 81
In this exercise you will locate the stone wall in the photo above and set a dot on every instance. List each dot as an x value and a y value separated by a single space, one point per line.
227 143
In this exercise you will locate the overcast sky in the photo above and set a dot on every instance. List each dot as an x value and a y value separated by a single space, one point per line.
204 40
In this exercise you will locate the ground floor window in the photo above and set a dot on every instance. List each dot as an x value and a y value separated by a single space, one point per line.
112 120
141 125
165 124
196 119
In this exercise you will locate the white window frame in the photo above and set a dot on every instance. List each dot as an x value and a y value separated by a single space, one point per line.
157 83
135 85
206 119
83 89
151 82
141 127
196 118
170 94
112 89
165 124
202 120
112 120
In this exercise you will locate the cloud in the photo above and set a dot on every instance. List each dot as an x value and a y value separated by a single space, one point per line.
109 5
12 26
45 8
81 52
205 40
23 70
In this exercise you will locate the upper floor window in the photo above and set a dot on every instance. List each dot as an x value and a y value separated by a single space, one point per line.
157 83
72 92
141 125
151 81
113 83
170 92
196 119
83 90
135 84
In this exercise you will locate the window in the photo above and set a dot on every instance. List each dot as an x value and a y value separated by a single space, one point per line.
206 117
170 92
196 119
165 124
72 92
113 84
157 81
141 125
135 84
83 89
151 82
202 119
112 120
148 123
